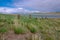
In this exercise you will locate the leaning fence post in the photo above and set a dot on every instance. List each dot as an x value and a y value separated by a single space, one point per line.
30 16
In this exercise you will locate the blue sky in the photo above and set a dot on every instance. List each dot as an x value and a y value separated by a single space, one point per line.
5 3
30 5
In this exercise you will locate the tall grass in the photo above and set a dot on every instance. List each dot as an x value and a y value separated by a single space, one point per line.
32 28
47 27
3 30
19 30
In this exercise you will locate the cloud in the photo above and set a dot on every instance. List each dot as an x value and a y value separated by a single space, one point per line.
6 10
15 10
30 6
41 5
10 10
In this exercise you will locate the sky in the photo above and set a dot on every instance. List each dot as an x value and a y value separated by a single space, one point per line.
13 6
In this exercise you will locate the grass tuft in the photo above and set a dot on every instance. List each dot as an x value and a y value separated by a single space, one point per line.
3 30
19 30
32 29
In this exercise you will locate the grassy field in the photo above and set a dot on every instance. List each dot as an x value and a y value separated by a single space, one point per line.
18 27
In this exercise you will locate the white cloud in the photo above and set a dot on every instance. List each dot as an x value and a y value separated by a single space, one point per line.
6 10
15 10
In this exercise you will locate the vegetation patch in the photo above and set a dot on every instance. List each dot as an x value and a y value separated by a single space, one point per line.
3 30
19 30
